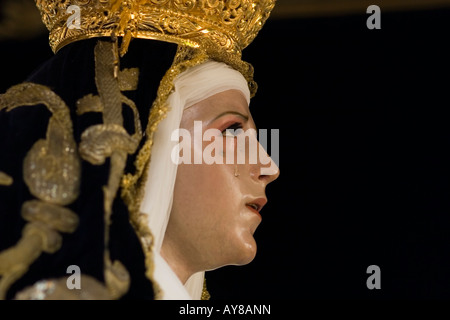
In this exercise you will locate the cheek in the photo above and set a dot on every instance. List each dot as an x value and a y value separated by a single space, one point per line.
208 212
206 191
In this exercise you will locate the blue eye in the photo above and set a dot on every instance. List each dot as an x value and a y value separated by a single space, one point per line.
233 130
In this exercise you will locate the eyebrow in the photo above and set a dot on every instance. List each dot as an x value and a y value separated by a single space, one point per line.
231 112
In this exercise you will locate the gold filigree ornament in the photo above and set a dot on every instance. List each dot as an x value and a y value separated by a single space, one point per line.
110 140
221 28
56 289
52 173
52 166
5 180
219 25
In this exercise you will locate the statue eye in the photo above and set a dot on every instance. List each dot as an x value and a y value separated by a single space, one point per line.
233 130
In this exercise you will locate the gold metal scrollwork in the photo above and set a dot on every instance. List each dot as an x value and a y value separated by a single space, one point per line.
110 140
56 289
5 180
52 168
52 171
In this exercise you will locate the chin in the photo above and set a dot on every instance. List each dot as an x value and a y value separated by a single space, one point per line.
244 254
247 253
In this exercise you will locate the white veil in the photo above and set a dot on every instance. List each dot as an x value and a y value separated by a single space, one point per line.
193 85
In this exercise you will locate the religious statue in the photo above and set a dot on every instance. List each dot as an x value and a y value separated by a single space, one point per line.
99 172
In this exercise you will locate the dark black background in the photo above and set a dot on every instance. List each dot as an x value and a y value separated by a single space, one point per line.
364 164
363 156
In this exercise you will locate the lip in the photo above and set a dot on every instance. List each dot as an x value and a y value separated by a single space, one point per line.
259 203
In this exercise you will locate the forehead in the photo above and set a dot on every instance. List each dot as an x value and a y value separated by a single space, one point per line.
230 100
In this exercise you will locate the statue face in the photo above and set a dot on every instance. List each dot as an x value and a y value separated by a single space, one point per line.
215 206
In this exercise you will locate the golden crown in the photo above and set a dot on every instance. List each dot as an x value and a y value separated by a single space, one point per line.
216 26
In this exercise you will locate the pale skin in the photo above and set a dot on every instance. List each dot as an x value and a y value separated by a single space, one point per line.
212 221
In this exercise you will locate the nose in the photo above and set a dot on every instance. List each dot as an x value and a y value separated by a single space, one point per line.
265 170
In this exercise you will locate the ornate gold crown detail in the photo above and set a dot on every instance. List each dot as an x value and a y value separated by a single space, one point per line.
212 25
